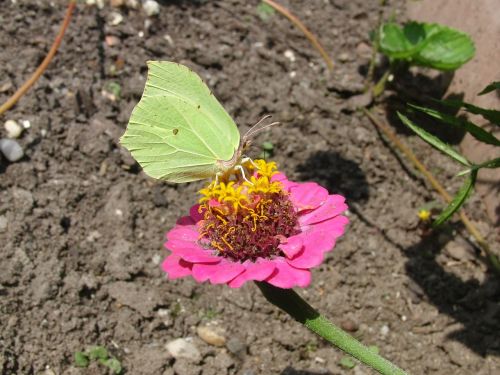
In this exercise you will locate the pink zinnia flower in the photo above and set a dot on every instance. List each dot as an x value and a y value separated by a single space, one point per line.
269 229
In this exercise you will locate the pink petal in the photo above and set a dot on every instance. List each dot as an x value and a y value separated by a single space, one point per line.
308 195
292 246
286 276
316 244
217 273
184 233
334 226
191 252
176 267
260 270
333 206
195 215
287 184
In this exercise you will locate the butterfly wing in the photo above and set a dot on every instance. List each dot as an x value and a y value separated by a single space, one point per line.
179 130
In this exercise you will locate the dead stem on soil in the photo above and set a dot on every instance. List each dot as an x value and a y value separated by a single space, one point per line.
436 185
39 71
310 36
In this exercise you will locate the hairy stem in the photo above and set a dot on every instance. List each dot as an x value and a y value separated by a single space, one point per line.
38 72
290 302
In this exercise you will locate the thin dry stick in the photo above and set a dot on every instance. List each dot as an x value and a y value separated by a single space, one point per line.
435 184
281 9
38 72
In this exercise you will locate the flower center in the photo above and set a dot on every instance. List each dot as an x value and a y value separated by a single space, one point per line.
245 221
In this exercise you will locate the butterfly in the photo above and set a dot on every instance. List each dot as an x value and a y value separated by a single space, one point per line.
179 132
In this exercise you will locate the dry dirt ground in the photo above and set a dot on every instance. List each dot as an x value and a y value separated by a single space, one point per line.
82 226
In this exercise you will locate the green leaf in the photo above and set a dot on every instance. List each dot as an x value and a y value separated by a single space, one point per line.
98 352
267 146
494 163
434 141
477 132
458 200
398 43
81 359
265 11
491 115
428 44
491 87
444 48
347 362
113 364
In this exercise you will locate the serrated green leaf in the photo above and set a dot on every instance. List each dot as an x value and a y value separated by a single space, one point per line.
347 362
398 43
491 87
477 132
98 352
113 364
458 200
434 141
445 48
490 115
81 359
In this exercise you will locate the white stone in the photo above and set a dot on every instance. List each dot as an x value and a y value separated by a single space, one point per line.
26 124
289 55
183 348
11 149
151 8
384 330
13 129
116 19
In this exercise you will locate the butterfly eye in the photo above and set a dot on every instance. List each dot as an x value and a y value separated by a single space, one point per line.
175 131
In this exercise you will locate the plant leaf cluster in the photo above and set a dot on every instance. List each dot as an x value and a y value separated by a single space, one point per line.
100 354
484 136
426 44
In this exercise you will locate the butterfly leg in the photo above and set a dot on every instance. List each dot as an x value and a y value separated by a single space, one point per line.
246 159
243 173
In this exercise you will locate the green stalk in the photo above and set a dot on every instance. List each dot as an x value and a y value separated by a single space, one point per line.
290 302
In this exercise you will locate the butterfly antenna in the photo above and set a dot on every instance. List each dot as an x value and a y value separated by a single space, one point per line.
257 128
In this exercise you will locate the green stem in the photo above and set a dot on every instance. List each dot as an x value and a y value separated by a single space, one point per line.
290 302
380 85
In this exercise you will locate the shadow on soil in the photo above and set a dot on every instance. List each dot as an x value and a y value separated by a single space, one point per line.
470 303
338 174
473 304
291 371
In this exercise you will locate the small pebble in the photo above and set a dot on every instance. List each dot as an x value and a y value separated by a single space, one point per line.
349 325
211 335
151 8
11 149
115 19
112 40
343 57
289 55
26 124
183 348
13 129
384 330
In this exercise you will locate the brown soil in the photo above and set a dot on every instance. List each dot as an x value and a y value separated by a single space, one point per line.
83 241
